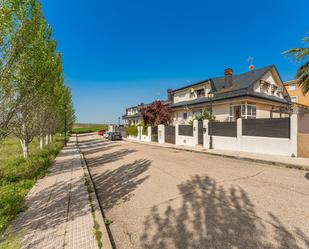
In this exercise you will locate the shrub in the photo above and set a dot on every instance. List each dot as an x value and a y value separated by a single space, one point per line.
132 131
145 130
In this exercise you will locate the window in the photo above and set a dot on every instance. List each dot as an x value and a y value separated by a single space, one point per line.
292 88
239 111
185 115
251 111
294 99
200 93
273 89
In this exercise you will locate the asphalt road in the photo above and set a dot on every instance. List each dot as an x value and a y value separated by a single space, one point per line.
161 198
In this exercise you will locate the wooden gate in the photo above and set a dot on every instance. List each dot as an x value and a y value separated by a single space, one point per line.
200 132
170 134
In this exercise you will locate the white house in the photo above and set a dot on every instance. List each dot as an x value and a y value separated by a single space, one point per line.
255 94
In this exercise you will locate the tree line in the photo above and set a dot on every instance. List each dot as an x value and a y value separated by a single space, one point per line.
34 100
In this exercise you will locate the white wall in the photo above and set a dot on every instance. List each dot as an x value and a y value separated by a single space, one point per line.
139 134
264 145
222 112
146 138
187 140
184 95
133 138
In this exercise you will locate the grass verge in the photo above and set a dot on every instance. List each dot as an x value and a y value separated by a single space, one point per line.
79 128
17 175
96 226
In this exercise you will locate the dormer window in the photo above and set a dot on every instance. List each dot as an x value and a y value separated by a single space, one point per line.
200 93
264 85
273 89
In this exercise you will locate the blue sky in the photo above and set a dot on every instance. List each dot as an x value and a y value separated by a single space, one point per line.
120 53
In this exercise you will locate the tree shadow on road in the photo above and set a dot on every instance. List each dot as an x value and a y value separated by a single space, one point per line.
209 216
100 160
115 186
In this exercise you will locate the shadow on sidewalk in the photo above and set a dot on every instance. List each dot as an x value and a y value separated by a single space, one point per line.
210 216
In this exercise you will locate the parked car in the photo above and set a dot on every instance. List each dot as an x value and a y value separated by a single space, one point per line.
101 132
106 134
114 136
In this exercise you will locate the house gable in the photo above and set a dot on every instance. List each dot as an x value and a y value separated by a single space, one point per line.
270 84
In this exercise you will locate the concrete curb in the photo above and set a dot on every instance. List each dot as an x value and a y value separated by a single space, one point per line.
98 212
275 163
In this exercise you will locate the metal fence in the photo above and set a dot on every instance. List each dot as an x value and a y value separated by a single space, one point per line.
200 132
224 129
186 130
170 134
154 134
266 127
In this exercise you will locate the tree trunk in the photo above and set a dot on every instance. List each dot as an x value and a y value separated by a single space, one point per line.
41 140
25 147
51 138
46 139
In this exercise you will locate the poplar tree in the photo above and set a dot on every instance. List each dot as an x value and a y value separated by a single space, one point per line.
33 96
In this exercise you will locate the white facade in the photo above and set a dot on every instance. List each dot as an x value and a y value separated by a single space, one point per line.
231 110
192 93
268 85
263 145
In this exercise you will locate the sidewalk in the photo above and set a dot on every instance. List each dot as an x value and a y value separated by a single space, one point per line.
59 213
285 161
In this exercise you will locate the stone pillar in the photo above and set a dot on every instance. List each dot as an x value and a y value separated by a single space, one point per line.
239 133
293 133
206 135
140 131
161 134
177 134
149 132
195 132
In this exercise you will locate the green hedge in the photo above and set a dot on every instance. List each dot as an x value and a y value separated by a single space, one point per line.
131 131
145 130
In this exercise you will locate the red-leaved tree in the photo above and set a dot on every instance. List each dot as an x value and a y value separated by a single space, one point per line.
156 114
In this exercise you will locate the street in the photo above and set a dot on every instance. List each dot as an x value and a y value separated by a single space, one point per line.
162 198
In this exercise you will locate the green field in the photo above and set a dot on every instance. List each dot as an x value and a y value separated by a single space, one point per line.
87 128
17 175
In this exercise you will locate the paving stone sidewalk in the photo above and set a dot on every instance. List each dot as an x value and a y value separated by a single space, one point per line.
59 214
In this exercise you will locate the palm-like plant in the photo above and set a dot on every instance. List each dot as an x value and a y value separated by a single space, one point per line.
299 55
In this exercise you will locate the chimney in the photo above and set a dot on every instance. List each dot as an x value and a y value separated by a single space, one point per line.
170 94
228 76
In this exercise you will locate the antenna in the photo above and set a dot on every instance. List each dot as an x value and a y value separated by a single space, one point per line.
250 61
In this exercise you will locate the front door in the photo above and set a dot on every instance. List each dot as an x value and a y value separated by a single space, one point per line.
237 112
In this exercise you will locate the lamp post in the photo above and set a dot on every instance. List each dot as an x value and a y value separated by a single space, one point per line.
118 124
210 96
65 126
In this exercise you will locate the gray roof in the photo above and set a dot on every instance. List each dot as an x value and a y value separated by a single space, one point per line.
241 87
241 81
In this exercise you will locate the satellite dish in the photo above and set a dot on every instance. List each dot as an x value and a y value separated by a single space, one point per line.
251 67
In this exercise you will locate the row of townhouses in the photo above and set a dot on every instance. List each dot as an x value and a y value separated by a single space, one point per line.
259 93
